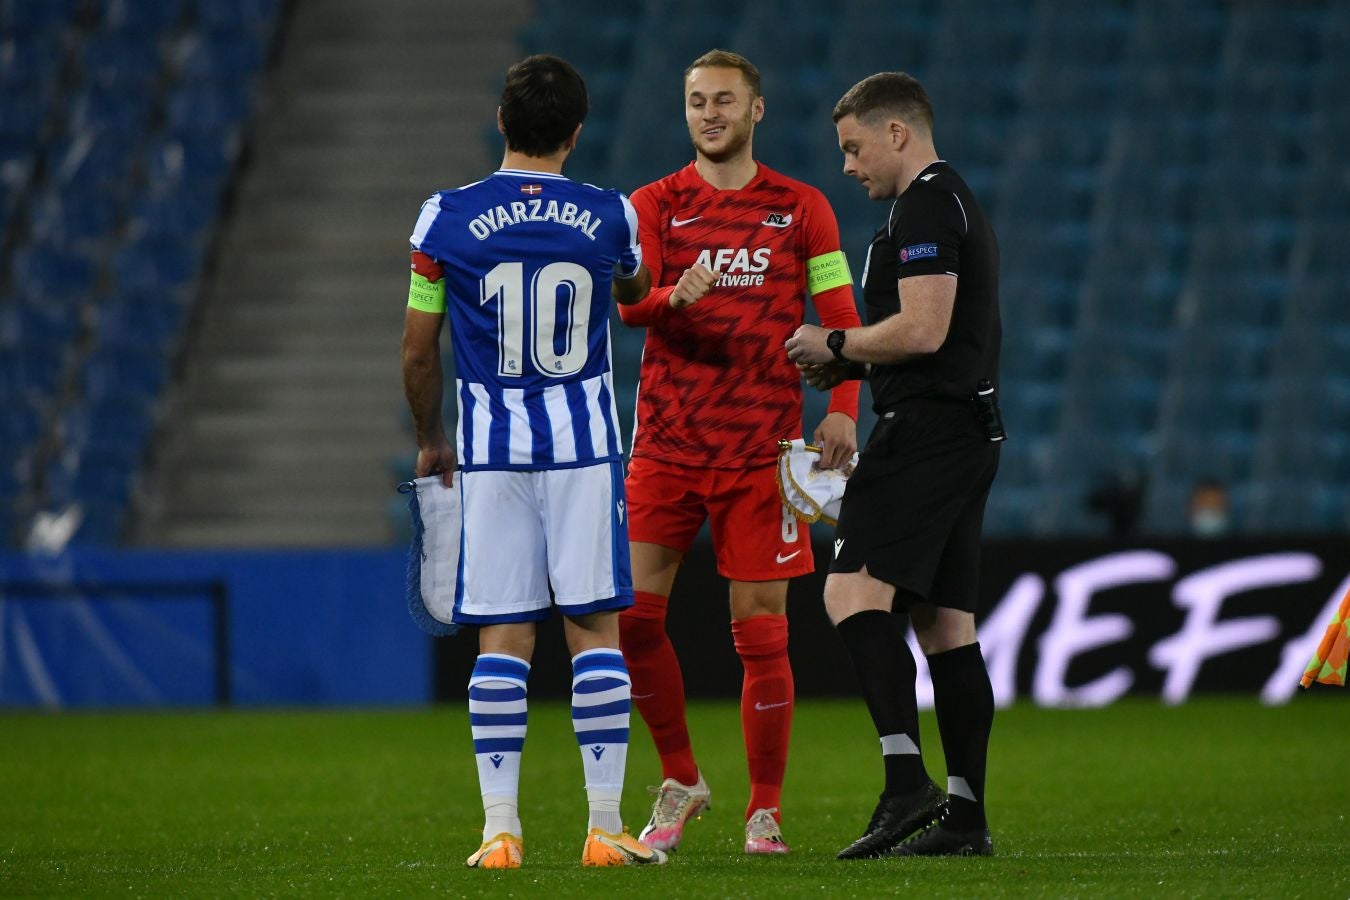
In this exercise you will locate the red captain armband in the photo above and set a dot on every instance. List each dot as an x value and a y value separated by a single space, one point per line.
427 290
427 267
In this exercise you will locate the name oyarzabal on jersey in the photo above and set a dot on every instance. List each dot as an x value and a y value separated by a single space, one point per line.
527 259
518 212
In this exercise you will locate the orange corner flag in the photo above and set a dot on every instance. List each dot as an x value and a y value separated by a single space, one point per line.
1328 664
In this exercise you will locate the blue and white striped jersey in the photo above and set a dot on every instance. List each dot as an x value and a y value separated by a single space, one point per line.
528 259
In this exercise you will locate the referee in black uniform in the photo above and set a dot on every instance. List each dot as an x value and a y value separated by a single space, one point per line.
908 540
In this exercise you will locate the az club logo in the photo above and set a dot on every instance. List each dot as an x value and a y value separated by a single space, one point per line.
777 220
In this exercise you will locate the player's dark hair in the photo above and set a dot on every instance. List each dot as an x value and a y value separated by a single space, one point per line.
726 59
895 93
543 101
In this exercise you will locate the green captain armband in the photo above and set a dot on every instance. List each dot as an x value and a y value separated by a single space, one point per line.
426 296
826 271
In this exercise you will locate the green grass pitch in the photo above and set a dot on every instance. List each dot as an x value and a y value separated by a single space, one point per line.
1221 798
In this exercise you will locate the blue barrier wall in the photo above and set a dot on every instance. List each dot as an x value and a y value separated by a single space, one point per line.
305 627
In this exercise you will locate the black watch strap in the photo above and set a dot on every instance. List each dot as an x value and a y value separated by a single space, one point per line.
835 341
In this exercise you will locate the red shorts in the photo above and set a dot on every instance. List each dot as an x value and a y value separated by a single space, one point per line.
755 536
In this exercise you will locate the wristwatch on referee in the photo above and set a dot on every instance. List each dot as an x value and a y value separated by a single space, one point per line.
835 341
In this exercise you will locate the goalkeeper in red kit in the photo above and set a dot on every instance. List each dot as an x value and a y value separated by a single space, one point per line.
734 250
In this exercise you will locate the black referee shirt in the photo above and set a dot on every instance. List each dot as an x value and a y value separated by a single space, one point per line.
937 227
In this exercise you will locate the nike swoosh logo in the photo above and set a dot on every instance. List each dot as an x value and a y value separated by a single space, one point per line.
780 558
642 696
676 223
763 706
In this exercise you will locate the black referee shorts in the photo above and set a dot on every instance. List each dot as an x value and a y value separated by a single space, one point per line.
914 506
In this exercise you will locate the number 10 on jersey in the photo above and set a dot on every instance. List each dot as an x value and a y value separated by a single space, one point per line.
554 308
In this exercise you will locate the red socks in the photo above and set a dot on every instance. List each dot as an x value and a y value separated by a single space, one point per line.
766 694
766 704
658 684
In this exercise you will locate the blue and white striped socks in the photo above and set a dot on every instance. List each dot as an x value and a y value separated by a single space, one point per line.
601 701
497 718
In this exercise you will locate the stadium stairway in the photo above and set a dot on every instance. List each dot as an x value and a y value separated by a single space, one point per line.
291 407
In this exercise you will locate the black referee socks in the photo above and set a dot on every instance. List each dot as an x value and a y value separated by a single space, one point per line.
964 702
875 640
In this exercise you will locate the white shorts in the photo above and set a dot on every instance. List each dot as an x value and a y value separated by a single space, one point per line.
526 530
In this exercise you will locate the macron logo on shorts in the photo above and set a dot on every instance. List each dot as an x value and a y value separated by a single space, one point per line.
838 545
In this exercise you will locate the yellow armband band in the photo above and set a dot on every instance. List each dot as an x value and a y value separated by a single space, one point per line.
426 296
828 270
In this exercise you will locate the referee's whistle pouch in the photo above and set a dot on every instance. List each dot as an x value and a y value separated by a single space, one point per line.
433 556
986 411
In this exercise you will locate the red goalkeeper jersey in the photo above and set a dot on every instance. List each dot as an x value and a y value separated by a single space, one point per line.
717 388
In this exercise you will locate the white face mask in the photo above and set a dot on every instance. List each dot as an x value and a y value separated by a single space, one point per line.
1209 523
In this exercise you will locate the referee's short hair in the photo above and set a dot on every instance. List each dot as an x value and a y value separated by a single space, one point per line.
726 59
543 101
895 93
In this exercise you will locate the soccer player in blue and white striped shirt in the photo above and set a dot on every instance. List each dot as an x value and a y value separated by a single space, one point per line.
525 263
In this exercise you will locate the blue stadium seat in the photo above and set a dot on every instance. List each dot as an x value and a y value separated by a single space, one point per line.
36 322
1312 451
1323 350
1031 407
1242 298
195 164
1110 406
90 478
1212 349
1190 454
74 218
20 427
117 424
126 64
255 17
16 162
148 264
204 107
1212 401
146 20
23 112
29 17
1024 195
151 318
863 43
102 524
1275 34
227 58
94 161
1119 353
30 371
1015 511
1298 506
1320 249
1168 35
593 42
136 369
32 62
51 272
174 214
1089 89
1056 251
1317 397
1036 354
111 110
